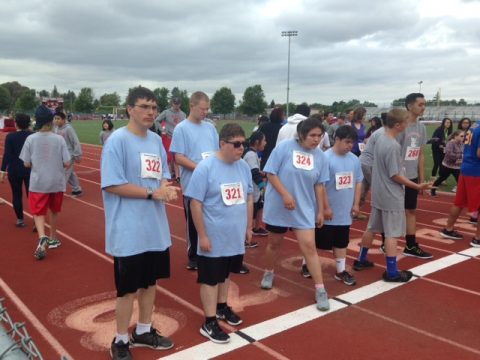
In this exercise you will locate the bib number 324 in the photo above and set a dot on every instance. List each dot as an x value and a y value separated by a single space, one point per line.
302 160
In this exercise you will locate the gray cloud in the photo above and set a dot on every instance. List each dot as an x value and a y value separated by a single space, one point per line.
371 50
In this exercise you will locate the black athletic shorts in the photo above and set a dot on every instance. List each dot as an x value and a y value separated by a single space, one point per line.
411 196
276 229
140 271
257 206
214 270
332 236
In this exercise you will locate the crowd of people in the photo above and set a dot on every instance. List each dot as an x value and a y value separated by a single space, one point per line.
309 173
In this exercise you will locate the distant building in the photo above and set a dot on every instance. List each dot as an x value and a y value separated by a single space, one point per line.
53 103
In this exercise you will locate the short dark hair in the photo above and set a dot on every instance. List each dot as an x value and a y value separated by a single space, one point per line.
383 116
109 122
231 130
139 92
395 116
60 114
307 125
255 137
359 113
303 109
276 116
346 132
22 121
411 98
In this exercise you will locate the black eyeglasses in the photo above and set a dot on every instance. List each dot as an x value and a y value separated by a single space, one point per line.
145 107
236 144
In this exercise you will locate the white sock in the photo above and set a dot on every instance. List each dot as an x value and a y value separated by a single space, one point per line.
142 328
304 262
340 264
121 337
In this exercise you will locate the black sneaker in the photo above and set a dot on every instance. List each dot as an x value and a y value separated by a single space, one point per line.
305 273
475 243
251 245
192 265
77 193
260 232
473 220
346 278
41 249
227 314
151 339
452 234
382 248
20 224
416 251
244 270
362 265
120 351
214 332
403 276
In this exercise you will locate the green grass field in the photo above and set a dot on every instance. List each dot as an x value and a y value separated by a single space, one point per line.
88 131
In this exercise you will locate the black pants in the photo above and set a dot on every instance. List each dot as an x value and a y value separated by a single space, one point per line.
192 236
16 183
445 172
438 156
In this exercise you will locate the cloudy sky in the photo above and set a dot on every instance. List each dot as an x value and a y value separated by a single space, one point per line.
375 50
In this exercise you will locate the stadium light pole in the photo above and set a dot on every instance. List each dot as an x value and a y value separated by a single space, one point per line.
289 34
420 86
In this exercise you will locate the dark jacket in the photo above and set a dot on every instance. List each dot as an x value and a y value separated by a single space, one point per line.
13 146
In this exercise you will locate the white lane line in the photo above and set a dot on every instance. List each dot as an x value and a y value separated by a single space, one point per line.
42 330
439 264
369 291
474 252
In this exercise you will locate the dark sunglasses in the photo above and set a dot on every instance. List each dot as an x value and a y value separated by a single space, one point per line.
236 144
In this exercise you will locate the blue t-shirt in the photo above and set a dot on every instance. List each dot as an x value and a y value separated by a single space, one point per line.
134 226
471 162
222 188
299 170
196 142
345 173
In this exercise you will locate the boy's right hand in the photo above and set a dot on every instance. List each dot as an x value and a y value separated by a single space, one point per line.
166 192
289 202
426 186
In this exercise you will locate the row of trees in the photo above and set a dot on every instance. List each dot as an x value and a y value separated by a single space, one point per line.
17 97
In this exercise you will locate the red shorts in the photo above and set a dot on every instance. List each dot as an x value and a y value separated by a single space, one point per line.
167 140
468 192
39 202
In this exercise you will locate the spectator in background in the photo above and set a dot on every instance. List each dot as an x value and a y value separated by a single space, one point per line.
18 174
289 130
452 160
262 119
438 141
375 124
325 140
464 124
107 130
348 116
331 130
359 127
270 130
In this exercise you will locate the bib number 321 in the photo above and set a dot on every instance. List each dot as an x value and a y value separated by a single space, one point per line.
232 194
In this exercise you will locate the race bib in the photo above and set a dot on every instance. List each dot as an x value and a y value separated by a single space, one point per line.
302 160
206 154
361 146
151 166
344 180
412 153
232 194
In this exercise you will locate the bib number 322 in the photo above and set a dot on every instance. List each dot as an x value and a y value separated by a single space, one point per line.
151 166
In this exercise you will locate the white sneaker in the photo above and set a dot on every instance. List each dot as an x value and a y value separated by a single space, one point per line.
267 280
322 299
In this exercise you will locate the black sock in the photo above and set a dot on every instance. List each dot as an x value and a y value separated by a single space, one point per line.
209 319
221 306
383 238
411 240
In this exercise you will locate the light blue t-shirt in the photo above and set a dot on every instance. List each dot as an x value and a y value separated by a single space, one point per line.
134 226
222 188
345 173
286 161
196 142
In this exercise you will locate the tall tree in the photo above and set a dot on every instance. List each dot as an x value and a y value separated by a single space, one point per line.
27 101
68 100
253 101
84 101
55 93
43 93
162 98
112 99
223 101
272 104
15 89
5 99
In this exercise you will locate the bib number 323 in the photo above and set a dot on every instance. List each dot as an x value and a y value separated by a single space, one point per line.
343 180
151 166
232 194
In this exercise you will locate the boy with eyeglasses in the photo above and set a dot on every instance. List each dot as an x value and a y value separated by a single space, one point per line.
135 184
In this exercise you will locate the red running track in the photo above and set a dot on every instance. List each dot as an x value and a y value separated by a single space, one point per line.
67 300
